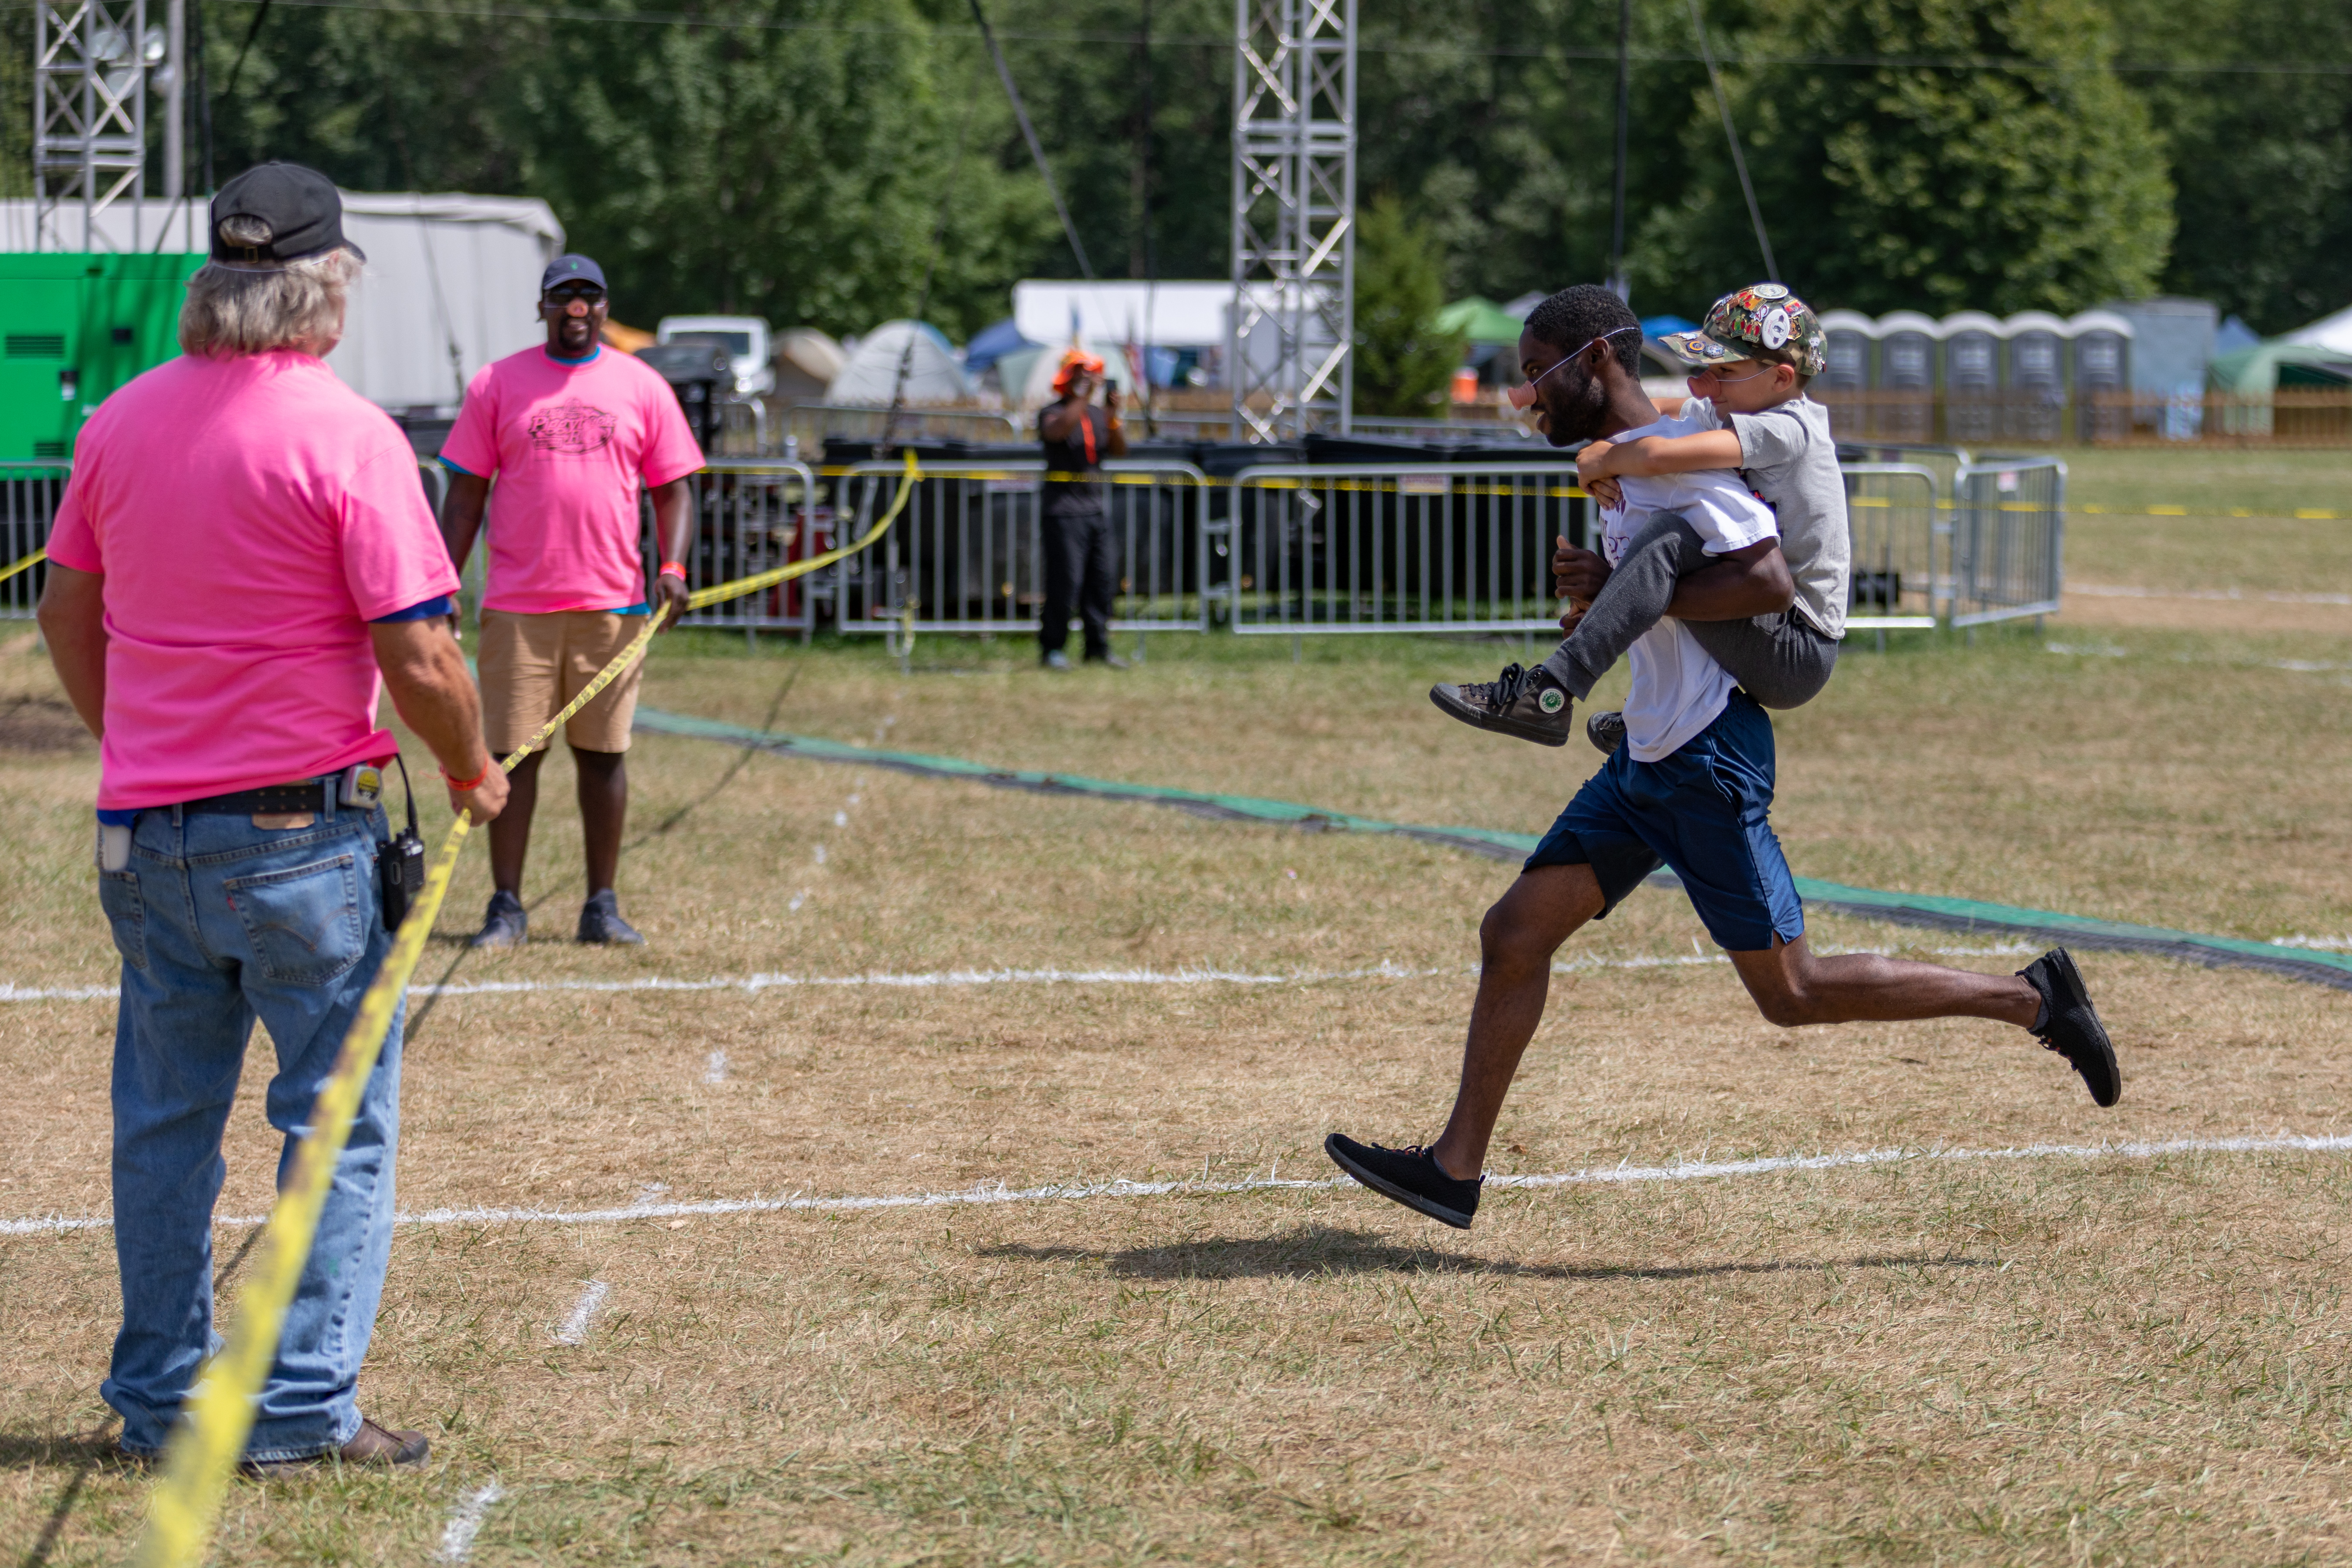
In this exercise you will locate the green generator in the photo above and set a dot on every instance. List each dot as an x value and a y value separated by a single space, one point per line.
76 328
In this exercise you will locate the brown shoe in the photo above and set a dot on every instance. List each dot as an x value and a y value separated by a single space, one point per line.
371 1445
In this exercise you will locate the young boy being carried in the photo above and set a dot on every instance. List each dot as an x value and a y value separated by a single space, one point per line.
1752 361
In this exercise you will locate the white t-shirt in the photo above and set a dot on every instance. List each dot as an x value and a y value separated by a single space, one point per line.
1679 689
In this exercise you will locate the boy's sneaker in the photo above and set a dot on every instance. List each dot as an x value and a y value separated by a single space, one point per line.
1606 732
2070 1025
1528 703
1411 1176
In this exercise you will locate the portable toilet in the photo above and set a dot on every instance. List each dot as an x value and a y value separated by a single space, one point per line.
1907 363
1851 336
2034 377
1971 375
2101 342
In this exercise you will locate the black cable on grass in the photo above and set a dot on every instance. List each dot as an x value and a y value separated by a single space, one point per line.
416 1023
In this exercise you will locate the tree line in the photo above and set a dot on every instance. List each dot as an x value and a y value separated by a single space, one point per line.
795 159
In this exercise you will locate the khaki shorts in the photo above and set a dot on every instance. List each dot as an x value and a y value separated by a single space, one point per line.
532 665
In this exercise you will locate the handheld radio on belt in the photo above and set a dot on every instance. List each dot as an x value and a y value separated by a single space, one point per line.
400 863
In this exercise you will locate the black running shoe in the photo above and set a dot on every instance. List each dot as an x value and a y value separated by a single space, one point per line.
1528 703
504 924
1411 1176
600 922
1606 732
2070 1025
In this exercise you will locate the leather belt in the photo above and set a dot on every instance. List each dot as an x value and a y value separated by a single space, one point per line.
310 794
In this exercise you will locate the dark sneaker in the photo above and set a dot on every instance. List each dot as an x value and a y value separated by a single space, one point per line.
1528 703
376 1446
504 925
1606 732
1057 659
600 920
1411 1176
2070 1025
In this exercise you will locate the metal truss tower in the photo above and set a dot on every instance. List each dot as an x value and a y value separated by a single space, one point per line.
89 111
1289 343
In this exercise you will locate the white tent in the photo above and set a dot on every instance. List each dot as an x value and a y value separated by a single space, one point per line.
2327 333
452 280
872 375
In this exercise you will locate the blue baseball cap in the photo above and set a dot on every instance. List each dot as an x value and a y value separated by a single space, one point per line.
571 269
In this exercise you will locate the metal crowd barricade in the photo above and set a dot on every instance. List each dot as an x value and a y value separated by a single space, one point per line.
968 554
1380 548
29 494
752 516
1895 524
2007 539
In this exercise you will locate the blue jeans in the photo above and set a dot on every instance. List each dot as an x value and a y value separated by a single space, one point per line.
219 922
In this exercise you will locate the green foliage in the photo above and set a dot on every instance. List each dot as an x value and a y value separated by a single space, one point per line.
1403 360
2262 154
1924 185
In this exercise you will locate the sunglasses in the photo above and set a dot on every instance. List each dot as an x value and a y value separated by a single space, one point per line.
557 298
1524 394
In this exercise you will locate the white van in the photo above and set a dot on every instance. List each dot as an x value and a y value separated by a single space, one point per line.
745 339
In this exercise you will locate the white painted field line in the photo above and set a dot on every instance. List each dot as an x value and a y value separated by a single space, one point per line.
943 978
1067 1192
715 1070
457 1535
2125 591
575 1327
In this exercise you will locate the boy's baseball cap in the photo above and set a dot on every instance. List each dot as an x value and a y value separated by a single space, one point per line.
298 209
572 268
1762 315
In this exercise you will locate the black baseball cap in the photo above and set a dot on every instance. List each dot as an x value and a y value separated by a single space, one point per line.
571 269
298 208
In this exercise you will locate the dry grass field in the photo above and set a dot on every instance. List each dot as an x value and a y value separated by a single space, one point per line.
2054 1358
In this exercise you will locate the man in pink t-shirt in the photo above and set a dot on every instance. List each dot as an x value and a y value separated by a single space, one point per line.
569 431
243 561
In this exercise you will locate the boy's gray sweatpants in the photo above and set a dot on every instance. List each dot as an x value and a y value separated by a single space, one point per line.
1778 659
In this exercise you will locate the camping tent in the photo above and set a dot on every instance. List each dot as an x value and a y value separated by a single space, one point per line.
1036 384
871 376
806 363
2329 332
2258 371
1480 320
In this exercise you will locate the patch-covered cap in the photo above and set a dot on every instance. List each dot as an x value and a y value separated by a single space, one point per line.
1762 315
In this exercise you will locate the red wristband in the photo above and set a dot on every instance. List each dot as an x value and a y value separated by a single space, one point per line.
672 569
464 786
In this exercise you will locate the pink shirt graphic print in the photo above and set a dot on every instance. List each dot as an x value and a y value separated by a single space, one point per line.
566 446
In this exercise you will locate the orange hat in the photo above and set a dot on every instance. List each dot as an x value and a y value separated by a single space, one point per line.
1076 364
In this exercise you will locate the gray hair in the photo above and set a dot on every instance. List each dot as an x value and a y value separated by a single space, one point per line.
252 311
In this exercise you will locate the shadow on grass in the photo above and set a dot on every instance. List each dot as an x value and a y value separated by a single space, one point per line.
1311 1250
82 1455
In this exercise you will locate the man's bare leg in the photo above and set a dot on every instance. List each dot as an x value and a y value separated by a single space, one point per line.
1794 986
1516 941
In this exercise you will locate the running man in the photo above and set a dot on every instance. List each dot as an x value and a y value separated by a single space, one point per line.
1690 788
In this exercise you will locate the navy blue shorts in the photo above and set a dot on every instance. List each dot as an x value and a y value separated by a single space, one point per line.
1703 812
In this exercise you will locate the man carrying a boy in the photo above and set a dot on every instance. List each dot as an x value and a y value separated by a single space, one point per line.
1691 788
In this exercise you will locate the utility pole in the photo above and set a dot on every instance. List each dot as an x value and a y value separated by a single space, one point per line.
1617 282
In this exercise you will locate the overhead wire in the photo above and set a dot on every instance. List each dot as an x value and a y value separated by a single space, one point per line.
1731 139
1029 133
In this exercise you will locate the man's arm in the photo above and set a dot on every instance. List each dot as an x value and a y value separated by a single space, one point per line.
1059 418
1115 447
674 530
1741 586
426 675
461 514
73 622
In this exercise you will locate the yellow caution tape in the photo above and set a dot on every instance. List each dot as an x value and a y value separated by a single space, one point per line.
701 597
205 1447
35 559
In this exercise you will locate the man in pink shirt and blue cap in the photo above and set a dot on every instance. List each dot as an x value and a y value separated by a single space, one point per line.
570 430
243 562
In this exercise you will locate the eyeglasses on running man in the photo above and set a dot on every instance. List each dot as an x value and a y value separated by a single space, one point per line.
1524 394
